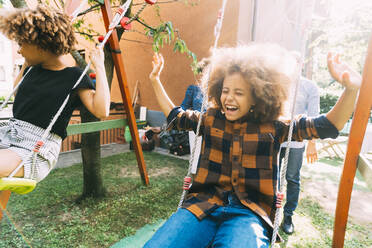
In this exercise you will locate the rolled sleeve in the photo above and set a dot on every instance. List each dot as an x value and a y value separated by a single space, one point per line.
308 128
184 120
325 128
172 117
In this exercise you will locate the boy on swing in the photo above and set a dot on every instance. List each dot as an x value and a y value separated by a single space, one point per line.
231 202
44 35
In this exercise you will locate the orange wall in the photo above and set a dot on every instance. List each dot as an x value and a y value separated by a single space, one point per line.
196 27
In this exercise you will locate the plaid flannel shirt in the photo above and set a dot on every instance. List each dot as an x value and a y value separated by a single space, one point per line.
241 157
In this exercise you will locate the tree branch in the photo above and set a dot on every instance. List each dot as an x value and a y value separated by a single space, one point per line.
80 61
83 33
137 41
170 1
90 9
144 24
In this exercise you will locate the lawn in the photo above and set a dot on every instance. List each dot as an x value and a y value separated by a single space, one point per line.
49 216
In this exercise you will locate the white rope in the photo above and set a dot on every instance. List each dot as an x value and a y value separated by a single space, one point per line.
138 12
283 169
217 33
76 12
33 153
115 21
285 162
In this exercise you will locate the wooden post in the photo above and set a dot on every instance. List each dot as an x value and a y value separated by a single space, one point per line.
357 131
123 84
4 197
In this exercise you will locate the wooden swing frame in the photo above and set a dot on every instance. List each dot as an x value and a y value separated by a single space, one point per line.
357 131
354 145
113 42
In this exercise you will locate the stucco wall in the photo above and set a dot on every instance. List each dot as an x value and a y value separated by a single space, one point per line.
196 27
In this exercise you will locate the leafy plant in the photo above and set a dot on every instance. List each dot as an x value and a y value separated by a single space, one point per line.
327 101
165 34
346 33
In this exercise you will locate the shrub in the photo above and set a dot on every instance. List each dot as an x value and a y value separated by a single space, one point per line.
327 101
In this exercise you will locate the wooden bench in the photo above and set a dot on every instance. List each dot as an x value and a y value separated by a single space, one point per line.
365 169
333 146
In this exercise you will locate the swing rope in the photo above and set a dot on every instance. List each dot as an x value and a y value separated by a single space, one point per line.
188 179
217 32
137 14
283 170
77 11
33 154
122 10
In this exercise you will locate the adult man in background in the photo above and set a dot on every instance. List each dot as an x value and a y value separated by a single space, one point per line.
307 102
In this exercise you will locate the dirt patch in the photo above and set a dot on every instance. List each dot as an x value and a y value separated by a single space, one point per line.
320 182
153 172
128 172
305 230
66 217
161 171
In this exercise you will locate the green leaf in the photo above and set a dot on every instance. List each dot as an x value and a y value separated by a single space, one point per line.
176 46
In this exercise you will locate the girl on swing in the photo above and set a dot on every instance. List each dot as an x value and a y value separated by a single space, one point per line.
44 35
231 202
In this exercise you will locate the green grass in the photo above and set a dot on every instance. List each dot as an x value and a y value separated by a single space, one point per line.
338 162
49 216
331 161
357 235
319 230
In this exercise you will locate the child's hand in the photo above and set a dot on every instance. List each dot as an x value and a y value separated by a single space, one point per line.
311 153
97 57
157 66
343 73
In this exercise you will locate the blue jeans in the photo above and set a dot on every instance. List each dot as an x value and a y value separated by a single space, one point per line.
232 225
293 178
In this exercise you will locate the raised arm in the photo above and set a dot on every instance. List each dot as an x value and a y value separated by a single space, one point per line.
97 101
164 101
351 80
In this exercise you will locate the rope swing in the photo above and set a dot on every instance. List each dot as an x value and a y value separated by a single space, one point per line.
187 183
23 185
188 179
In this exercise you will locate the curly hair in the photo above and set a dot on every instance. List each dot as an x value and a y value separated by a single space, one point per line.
268 68
47 28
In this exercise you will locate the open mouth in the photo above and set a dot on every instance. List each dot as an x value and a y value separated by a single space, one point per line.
231 108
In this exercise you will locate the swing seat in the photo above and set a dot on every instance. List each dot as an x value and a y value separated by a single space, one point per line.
17 185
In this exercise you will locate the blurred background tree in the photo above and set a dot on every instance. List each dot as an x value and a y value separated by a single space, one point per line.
346 30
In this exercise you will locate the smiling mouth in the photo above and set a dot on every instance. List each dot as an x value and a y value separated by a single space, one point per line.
231 108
